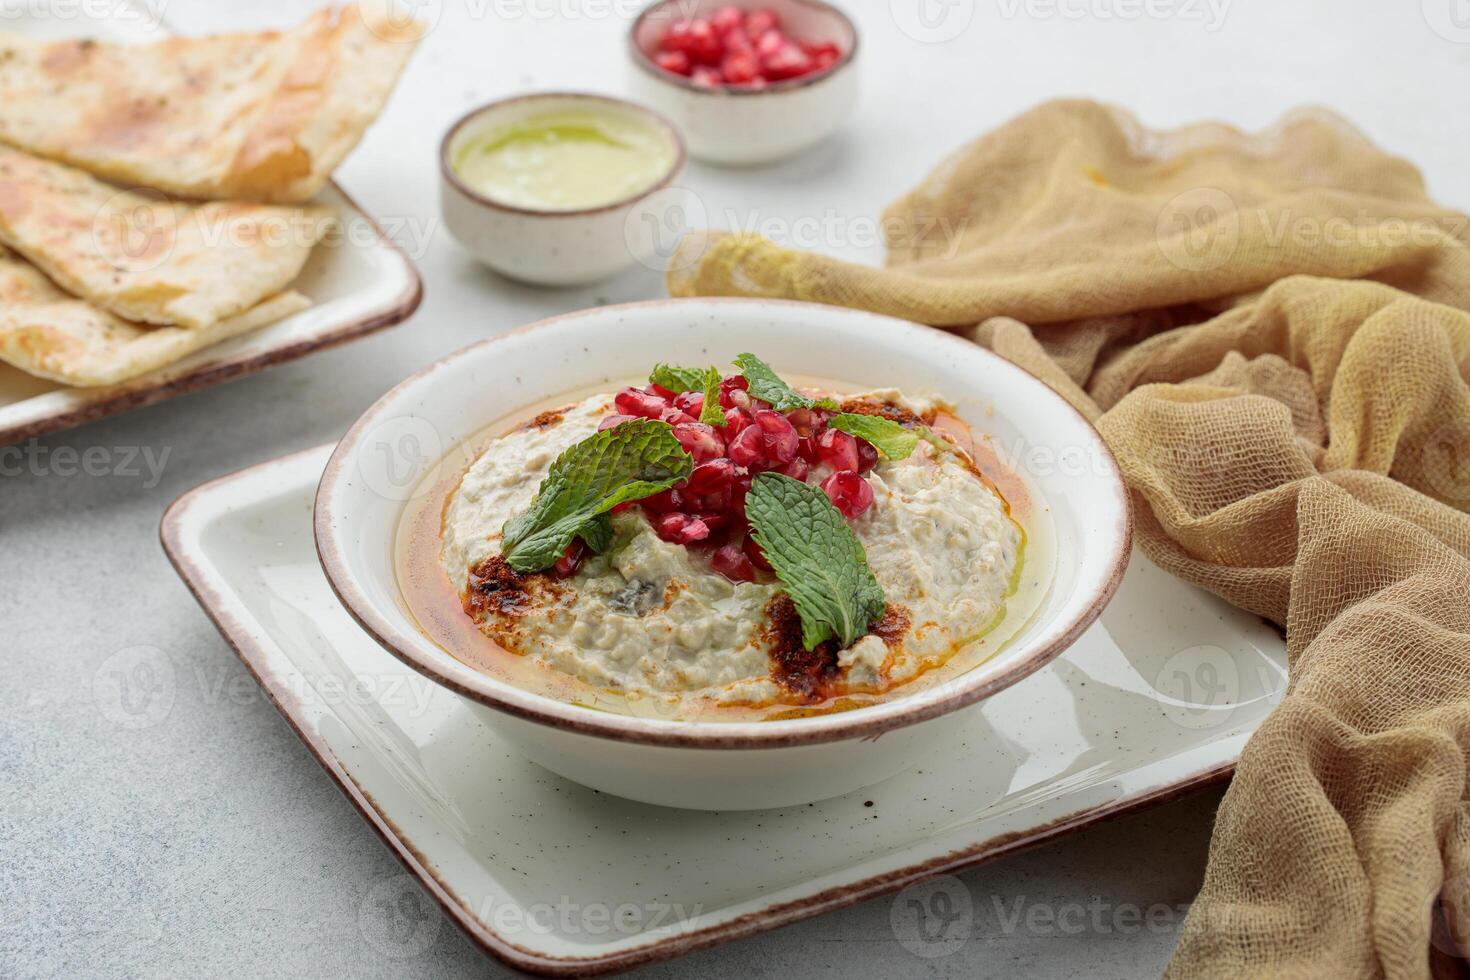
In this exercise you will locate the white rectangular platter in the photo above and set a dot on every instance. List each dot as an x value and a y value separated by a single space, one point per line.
359 282
1156 699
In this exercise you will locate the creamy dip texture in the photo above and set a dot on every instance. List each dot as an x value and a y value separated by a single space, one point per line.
651 618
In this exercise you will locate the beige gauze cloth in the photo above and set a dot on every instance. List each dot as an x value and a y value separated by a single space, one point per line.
1271 333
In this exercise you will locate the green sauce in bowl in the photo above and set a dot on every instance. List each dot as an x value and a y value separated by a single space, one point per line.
570 159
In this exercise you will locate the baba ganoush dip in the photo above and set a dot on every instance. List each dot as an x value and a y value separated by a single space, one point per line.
680 605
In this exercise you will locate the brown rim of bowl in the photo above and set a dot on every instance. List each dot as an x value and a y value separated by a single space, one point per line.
644 62
446 168
862 723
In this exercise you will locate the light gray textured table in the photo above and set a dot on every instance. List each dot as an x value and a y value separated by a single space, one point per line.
212 842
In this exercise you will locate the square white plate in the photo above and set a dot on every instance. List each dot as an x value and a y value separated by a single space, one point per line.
1156 699
359 284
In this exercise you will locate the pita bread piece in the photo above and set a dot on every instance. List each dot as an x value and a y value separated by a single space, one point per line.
47 333
146 258
264 116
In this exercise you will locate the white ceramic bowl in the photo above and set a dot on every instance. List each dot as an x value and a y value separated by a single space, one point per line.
1070 476
746 127
555 248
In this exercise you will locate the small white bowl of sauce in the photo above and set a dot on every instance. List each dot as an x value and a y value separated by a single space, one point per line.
559 189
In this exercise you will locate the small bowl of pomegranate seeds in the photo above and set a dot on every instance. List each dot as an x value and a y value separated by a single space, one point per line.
747 83
702 553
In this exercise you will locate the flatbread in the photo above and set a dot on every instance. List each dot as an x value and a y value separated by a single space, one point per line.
265 116
145 258
47 333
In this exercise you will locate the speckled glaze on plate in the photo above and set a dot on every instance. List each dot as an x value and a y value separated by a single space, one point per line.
1157 698
358 285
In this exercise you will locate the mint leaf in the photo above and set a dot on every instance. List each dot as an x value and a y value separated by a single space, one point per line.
597 534
682 379
678 379
767 385
712 413
629 462
819 560
886 435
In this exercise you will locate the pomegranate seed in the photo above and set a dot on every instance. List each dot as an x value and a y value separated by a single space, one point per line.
740 67
823 56
690 402
867 456
675 417
735 420
701 441
674 62
717 474
739 40
705 77
624 507
727 19
797 469
749 448
566 566
849 493
681 528
659 503
714 502
838 450
705 46
758 22
756 555
738 492
632 401
613 421
716 521
789 62
729 386
808 421
769 42
677 38
781 439
734 564
665 393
